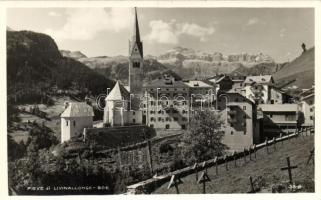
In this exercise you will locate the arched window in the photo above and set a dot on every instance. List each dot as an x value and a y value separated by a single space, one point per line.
136 64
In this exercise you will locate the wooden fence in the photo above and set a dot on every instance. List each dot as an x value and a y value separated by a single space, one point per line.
147 186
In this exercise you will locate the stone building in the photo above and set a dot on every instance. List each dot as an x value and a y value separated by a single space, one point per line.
167 105
76 117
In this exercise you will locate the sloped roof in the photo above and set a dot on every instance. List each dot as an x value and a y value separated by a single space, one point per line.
217 78
196 84
279 107
266 79
78 109
162 83
119 92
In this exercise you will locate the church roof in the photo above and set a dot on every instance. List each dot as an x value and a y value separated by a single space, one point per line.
78 109
119 92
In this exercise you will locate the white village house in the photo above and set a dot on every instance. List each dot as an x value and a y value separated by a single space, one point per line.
76 117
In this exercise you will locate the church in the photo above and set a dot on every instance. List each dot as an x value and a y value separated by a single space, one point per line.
120 107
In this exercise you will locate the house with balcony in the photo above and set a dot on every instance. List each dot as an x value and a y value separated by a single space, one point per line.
166 104
241 126
278 118
201 94
258 88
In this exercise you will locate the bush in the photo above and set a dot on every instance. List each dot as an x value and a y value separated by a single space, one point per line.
165 148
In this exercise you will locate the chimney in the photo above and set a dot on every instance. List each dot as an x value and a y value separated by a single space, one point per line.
87 100
66 104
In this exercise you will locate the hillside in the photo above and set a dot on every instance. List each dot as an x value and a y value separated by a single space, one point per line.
259 69
300 71
266 166
35 65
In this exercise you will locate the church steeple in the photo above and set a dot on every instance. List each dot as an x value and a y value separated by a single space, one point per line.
136 34
135 39
136 59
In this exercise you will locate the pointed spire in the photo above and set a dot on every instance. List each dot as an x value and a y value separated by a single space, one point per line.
135 40
136 34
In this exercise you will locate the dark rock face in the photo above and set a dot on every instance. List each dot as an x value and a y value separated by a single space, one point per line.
34 65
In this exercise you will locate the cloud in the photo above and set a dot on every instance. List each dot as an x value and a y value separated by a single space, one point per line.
162 32
86 23
252 21
169 32
54 14
282 32
195 30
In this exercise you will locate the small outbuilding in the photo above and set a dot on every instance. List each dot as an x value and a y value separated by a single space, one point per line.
76 117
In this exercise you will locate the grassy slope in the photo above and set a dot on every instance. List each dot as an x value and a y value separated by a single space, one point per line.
300 69
53 113
268 166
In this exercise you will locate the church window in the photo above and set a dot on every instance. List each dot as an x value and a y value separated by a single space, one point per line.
136 64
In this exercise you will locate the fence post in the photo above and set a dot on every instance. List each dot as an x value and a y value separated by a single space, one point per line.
274 143
234 157
267 145
150 156
250 152
244 155
216 167
119 156
281 139
195 171
226 163
254 149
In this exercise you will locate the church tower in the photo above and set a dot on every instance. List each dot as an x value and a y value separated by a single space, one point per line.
136 60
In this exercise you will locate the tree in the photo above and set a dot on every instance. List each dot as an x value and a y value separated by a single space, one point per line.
203 140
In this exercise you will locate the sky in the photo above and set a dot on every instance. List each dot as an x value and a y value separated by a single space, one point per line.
277 32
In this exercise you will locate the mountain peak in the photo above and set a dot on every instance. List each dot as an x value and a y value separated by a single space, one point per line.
73 54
